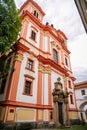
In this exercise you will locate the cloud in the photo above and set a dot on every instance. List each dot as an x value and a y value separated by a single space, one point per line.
80 74
78 57
78 47
64 15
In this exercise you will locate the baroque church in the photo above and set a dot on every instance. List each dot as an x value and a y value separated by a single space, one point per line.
40 84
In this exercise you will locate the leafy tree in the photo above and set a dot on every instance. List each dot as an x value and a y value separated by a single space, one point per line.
10 25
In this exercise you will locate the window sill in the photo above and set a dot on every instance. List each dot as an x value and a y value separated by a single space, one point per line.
70 87
27 94
72 103
29 69
33 40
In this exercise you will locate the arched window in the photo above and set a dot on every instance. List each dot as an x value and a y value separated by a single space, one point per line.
35 13
86 113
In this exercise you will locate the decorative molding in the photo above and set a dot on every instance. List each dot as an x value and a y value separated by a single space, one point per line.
59 95
29 76
18 57
26 19
44 69
56 45
26 105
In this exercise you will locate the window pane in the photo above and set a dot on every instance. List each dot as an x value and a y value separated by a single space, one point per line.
35 13
83 92
33 35
27 87
71 99
30 64
55 54
69 84
51 115
66 62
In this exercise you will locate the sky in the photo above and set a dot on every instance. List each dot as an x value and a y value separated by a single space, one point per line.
63 14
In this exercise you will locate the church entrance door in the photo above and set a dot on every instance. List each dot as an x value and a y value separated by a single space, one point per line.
60 112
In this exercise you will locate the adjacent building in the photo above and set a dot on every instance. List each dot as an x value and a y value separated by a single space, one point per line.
82 8
40 85
81 100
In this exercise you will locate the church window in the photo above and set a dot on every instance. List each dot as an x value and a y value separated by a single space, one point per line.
35 13
71 99
27 89
11 110
51 115
30 64
33 35
83 92
66 61
69 84
55 55
28 85
86 113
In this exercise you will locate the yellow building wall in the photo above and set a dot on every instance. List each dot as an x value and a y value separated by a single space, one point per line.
11 114
2 111
25 114
73 115
46 115
40 114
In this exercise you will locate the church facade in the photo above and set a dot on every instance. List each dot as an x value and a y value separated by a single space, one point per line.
39 87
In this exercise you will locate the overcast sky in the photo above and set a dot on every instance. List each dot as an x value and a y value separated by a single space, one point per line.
64 15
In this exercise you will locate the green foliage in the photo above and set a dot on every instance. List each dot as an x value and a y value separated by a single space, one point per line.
10 25
4 68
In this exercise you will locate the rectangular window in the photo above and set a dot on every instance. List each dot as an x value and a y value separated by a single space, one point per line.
71 99
11 110
51 115
83 92
27 89
35 13
66 61
55 55
30 64
33 35
69 84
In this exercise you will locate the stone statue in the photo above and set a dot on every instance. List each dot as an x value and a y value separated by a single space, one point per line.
60 99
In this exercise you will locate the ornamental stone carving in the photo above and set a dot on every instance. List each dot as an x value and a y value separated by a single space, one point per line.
60 100
58 94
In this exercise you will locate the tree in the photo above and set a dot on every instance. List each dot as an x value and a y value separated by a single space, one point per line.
10 25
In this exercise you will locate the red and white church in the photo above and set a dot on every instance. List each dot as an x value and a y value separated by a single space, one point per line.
36 90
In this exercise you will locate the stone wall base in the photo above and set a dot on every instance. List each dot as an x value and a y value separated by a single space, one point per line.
75 122
26 126
34 125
